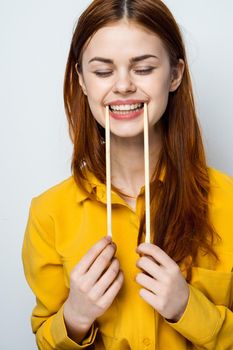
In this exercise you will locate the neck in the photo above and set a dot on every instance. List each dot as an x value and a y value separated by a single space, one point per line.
127 161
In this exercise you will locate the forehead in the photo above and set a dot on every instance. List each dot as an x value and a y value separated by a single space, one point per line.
128 39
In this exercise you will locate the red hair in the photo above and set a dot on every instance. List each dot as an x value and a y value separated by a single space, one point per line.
180 220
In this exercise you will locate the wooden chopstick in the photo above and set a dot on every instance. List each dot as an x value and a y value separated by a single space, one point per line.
108 172
147 173
146 167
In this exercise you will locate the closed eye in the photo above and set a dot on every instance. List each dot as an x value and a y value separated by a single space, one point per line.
138 71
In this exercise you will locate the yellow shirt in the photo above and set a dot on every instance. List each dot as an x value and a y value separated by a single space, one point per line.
63 224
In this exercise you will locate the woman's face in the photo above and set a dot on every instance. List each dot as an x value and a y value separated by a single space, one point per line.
149 79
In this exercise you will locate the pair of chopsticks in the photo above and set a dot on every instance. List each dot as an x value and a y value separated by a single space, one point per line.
146 167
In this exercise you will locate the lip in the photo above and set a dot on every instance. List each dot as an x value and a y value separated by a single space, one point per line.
124 102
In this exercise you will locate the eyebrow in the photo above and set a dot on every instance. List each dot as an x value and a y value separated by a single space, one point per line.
132 60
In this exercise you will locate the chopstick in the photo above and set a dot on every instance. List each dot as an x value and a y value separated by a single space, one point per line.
108 172
147 173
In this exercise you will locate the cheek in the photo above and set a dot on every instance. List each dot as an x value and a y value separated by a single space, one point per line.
161 99
162 91
161 86
159 94
97 112
95 93
156 86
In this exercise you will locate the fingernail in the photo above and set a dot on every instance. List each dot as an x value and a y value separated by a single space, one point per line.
108 238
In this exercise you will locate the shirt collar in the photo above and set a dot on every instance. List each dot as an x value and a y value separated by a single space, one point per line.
93 184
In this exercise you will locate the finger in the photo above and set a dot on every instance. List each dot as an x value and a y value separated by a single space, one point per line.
150 258
107 299
152 268
101 263
157 254
87 260
150 298
106 280
149 283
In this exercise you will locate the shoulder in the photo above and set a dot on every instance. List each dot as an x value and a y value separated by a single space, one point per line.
56 197
220 178
221 184
221 205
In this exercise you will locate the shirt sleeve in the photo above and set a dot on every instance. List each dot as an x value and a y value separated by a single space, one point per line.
44 273
206 325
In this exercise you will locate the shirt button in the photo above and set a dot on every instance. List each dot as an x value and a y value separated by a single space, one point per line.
146 341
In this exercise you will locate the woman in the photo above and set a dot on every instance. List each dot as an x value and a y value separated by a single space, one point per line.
177 291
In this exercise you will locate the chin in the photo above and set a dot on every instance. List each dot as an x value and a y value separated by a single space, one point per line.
130 134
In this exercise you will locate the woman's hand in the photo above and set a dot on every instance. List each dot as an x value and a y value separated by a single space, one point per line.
94 283
165 289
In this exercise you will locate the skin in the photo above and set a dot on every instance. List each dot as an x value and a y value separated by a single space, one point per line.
165 288
124 81
94 283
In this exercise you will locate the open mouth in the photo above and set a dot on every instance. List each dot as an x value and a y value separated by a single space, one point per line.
127 111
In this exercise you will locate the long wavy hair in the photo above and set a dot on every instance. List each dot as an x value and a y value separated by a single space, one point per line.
179 205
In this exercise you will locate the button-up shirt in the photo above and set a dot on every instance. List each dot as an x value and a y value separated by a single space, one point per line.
64 223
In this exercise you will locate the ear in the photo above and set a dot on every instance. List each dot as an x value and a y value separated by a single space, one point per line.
80 78
177 74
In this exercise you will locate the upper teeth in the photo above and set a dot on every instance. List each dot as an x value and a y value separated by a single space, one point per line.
125 107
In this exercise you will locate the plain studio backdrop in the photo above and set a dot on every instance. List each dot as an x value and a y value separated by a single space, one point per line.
35 147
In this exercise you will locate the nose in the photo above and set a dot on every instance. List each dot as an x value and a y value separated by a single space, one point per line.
124 84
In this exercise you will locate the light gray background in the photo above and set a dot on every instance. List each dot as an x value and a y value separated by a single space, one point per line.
35 148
